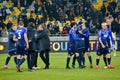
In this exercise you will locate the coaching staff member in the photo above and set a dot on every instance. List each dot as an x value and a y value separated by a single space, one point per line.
31 51
44 42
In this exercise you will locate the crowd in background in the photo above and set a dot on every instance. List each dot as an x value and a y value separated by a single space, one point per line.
61 11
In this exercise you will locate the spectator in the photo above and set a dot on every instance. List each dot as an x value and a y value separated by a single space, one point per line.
31 19
37 21
56 27
49 26
9 25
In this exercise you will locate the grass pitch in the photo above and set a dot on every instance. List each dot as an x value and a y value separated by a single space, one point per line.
57 70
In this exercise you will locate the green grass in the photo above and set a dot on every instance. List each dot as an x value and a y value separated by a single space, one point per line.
57 70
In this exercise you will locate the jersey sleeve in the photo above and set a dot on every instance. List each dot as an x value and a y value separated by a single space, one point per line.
100 34
73 35
111 37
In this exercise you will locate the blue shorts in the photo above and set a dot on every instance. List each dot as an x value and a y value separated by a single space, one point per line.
87 49
21 50
71 49
101 51
12 52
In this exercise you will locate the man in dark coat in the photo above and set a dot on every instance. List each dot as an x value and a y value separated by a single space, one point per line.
44 41
31 50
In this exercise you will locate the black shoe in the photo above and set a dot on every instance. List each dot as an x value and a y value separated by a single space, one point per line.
31 70
68 68
18 69
84 66
73 66
91 66
46 67
81 67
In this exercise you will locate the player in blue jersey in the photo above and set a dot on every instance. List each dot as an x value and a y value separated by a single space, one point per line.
71 44
11 46
103 39
85 33
80 44
21 44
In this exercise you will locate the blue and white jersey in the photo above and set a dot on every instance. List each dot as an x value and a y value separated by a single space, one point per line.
104 36
20 36
72 36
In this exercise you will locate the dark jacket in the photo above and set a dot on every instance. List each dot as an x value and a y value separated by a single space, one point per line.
30 35
43 39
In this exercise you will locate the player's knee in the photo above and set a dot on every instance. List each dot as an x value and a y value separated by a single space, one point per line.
77 54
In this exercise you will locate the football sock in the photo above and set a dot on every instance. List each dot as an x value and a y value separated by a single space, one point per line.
74 59
18 60
97 61
21 61
83 60
105 61
90 59
15 60
7 60
79 61
109 61
68 61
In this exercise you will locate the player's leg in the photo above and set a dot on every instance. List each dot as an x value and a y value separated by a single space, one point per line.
47 59
80 58
42 56
7 61
15 59
68 61
90 59
28 59
105 60
109 58
83 60
73 62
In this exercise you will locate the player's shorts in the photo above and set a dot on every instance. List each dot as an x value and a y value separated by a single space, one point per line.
12 52
101 50
21 50
71 49
80 46
87 49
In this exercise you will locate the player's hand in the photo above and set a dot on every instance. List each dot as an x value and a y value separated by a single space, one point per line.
27 46
29 41
103 46
80 32
83 39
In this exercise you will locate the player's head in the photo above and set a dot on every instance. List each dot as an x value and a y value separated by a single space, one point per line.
14 27
104 25
40 27
73 25
21 24
83 25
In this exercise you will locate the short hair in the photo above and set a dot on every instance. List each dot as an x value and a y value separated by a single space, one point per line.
104 24
21 23
72 24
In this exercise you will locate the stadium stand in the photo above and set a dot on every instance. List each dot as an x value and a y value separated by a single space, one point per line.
62 11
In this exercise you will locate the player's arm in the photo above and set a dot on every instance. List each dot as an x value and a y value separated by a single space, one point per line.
111 36
15 38
26 40
99 38
41 35
75 38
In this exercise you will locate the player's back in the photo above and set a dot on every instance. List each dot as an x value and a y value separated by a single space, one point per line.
72 34
86 35
20 35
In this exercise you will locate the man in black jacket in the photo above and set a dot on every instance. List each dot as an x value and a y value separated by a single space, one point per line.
31 50
44 41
